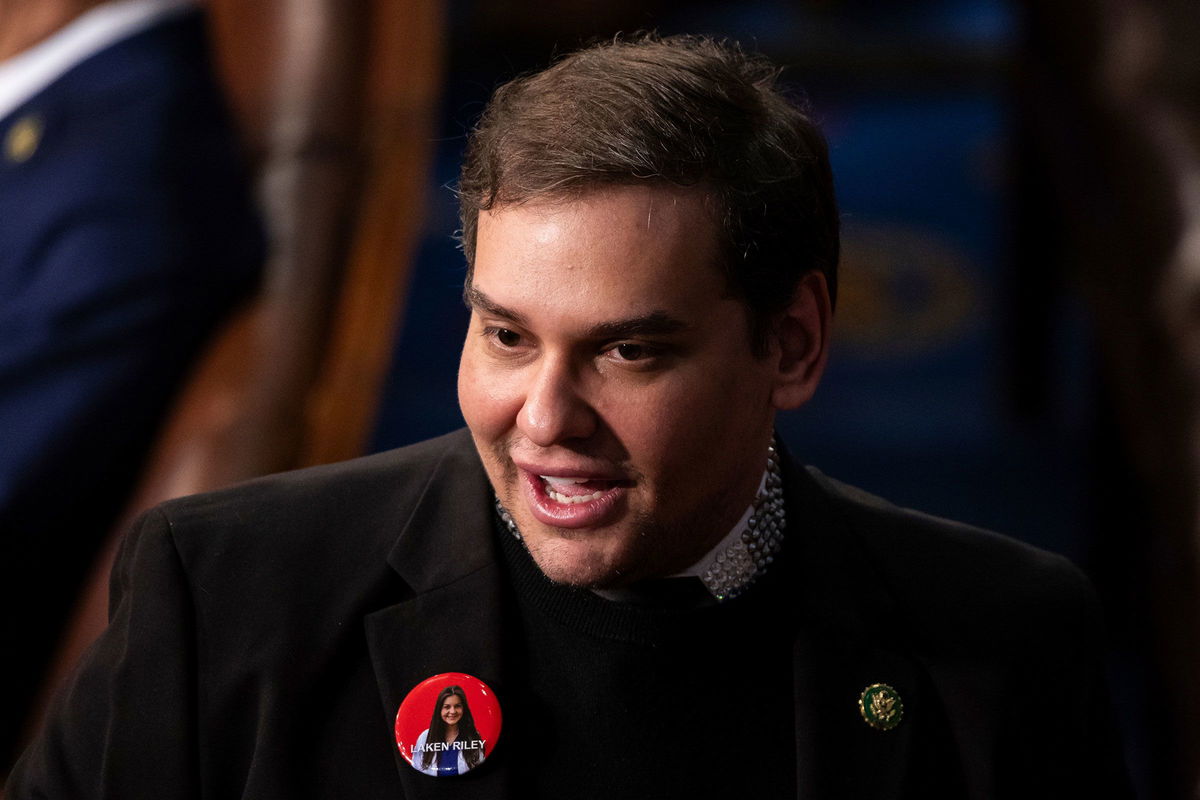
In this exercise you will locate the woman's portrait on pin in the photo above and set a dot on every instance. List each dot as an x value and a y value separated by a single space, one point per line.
451 745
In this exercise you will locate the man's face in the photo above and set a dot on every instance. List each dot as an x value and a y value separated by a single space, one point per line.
609 383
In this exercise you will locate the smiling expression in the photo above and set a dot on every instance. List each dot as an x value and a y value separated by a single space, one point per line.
609 382
452 710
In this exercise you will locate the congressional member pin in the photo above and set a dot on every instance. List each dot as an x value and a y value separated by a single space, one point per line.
448 724
881 706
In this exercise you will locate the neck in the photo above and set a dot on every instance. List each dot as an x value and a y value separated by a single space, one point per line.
24 23
451 733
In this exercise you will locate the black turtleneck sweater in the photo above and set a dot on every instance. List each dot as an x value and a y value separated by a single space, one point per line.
614 700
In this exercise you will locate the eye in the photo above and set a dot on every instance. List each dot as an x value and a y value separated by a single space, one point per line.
631 352
637 355
502 337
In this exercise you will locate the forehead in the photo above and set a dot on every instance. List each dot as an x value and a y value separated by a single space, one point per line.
628 248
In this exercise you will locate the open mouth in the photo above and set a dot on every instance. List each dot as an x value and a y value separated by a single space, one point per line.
573 501
575 490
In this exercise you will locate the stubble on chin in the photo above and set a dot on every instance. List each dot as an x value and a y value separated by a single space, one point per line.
586 560
571 563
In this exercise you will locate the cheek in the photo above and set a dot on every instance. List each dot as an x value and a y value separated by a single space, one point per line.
676 428
489 400
661 426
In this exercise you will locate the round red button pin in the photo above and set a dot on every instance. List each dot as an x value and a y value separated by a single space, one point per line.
448 724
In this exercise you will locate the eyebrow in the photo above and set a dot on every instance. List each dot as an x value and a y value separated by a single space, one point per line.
478 301
654 323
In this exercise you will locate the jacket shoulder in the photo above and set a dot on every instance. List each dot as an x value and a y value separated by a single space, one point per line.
958 583
331 520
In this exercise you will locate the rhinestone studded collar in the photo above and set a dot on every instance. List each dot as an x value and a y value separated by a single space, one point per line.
734 566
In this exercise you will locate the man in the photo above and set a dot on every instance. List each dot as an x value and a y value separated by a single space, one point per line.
662 603
127 233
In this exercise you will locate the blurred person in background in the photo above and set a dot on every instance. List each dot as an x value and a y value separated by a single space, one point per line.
127 231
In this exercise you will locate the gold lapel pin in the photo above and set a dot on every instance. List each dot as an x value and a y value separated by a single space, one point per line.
881 706
23 138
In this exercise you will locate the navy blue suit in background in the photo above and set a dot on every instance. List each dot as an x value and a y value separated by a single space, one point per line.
125 236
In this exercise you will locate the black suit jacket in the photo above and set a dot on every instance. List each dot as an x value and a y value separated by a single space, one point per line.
262 638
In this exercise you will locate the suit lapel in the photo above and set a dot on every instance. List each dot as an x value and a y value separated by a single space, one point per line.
453 622
854 634
838 753
849 637
972 695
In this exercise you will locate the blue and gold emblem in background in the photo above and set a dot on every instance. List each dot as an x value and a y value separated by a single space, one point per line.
881 706
22 139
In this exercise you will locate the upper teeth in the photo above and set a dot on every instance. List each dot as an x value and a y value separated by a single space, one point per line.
556 481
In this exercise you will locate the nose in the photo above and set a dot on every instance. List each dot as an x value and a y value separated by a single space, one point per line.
555 410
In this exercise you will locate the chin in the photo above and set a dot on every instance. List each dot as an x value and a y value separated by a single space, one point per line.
586 565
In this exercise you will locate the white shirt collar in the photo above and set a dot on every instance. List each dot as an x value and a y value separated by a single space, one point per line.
27 73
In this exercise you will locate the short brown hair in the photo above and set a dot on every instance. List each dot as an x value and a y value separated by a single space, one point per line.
681 110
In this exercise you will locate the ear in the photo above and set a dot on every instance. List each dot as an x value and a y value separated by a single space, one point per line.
802 343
